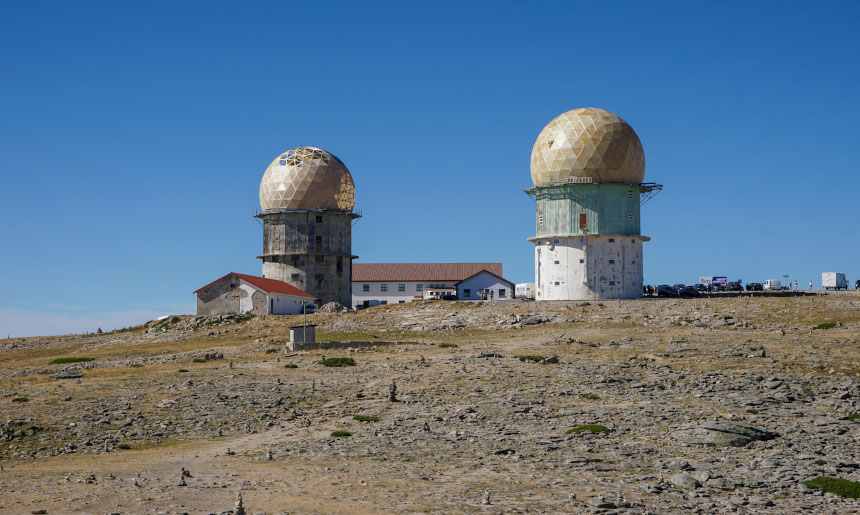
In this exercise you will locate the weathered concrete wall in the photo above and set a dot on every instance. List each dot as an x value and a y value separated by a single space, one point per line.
230 295
295 347
591 267
604 209
312 250
303 334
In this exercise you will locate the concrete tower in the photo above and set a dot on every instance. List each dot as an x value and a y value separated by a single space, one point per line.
307 196
587 167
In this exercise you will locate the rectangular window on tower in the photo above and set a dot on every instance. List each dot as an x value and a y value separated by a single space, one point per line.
611 261
339 265
294 277
319 219
365 287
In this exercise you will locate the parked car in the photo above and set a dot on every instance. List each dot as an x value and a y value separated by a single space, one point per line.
688 291
664 290
735 286
449 297
857 285
755 287
700 287
716 287
310 308
648 290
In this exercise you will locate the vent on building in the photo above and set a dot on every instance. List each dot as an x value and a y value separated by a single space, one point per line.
629 194
630 218
540 220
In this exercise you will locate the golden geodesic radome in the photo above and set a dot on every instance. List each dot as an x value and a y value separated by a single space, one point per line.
307 178
585 145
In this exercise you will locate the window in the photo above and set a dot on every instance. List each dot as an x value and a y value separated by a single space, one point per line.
611 261
366 303
320 259
611 240
294 257
294 277
320 277
634 261
419 287
383 287
582 240
555 240
629 194
556 283
401 287
540 220
467 292
633 240
611 283
383 302
401 302
501 293
319 219
630 218
282 162
339 265
555 262
365 287
582 261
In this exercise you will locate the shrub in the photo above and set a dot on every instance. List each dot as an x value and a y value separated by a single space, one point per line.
63 361
271 351
136 365
20 399
594 428
820 462
531 357
366 418
199 360
752 411
835 485
825 325
174 320
585 304
291 365
602 305
339 362
854 417
590 396
183 370
447 345
341 434
123 446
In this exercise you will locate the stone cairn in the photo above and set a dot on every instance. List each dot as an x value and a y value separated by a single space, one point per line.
240 508
392 391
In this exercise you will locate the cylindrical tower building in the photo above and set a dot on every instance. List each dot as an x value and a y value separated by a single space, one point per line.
587 167
307 197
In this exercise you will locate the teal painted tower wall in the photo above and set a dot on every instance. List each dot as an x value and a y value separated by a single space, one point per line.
608 209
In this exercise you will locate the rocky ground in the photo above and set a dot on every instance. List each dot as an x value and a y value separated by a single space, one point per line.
718 405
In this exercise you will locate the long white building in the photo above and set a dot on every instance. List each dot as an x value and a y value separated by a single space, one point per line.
393 283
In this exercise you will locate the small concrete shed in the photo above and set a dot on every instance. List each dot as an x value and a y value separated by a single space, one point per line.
241 293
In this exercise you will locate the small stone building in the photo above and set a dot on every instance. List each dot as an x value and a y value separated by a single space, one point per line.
240 293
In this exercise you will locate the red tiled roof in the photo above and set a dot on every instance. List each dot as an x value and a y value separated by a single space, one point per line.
267 285
374 272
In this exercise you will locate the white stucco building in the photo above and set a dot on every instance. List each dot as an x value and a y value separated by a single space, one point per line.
241 293
392 283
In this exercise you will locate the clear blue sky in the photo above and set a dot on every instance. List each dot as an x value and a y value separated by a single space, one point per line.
133 136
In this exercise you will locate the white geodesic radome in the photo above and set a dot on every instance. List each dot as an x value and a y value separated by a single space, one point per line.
307 178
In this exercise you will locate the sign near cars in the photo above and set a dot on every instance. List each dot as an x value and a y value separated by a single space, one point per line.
715 279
